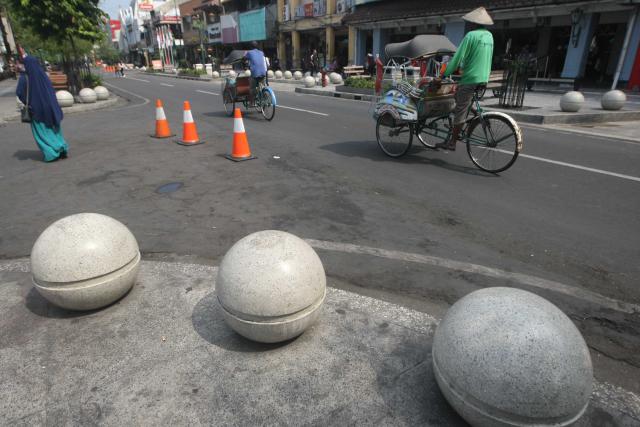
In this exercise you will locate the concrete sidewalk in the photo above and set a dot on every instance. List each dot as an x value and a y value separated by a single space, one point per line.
163 355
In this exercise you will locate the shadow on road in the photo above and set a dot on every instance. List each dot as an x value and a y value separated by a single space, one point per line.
28 155
417 155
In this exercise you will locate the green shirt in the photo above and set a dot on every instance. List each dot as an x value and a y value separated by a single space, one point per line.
474 56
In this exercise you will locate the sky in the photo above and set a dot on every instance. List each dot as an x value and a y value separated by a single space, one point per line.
112 6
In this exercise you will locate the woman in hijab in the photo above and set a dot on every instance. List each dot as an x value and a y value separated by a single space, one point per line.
46 114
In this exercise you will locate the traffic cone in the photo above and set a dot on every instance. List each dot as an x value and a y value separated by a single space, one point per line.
162 124
189 131
240 150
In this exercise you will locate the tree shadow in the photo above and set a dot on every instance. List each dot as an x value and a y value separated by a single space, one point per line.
208 321
22 155
416 155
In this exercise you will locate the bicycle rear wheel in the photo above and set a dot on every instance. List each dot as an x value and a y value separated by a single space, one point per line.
393 138
434 131
492 142
266 105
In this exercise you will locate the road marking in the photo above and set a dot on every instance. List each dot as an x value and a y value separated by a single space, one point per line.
140 80
573 131
303 110
571 165
466 267
146 101
165 84
209 93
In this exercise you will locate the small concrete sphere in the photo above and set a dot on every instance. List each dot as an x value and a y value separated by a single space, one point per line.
507 357
215 75
318 75
613 100
232 74
297 75
571 102
246 73
288 75
65 99
278 74
271 286
88 96
309 81
335 78
270 74
85 261
102 93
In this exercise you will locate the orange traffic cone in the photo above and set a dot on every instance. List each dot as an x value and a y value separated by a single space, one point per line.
189 131
162 124
240 150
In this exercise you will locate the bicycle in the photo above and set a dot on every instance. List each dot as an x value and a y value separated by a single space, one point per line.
239 91
493 139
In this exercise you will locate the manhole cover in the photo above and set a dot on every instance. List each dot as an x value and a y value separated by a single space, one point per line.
169 188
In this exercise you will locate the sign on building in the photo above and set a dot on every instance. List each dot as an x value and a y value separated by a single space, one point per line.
252 25
214 33
145 5
229 24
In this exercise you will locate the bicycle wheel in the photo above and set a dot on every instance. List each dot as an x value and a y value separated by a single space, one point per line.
493 144
266 104
229 102
435 131
393 138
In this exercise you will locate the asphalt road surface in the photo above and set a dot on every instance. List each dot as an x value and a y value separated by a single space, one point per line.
421 231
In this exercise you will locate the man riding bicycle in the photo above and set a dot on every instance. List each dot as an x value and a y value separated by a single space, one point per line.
258 67
474 56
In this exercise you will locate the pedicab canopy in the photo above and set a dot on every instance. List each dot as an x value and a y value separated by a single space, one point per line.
234 56
420 46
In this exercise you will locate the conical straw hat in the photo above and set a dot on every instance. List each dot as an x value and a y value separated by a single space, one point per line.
478 16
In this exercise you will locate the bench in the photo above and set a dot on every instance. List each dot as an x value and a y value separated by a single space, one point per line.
59 80
353 71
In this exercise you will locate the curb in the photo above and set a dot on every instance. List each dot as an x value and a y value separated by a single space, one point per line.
207 79
333 94
75 108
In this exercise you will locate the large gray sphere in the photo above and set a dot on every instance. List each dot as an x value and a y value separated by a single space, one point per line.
270 74
215 75
85 261
507 357
88 96
288 75
101 92
613 100
278 74
335 78
65 99
297 75
309 81
271 286
571 102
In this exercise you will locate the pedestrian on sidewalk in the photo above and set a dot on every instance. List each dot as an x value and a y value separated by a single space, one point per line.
35 90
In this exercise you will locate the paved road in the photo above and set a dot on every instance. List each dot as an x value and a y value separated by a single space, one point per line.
421 231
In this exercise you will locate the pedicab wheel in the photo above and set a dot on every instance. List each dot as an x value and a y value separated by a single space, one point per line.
394 138
229 102
267 107
434 131
492 143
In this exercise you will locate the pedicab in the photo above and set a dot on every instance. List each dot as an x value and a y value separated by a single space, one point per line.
412 100
237 89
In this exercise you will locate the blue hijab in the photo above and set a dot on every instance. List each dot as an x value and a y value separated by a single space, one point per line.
42 98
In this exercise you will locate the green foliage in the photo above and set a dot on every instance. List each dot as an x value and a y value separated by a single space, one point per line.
191 72
360 83
60 20
91 80
107 52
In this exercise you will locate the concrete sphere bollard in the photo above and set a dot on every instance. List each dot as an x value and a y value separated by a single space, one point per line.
65 99
88 96
278 74
297 75
101 92
309 81
613 100
335 78
232 74
507 357
246 73
571 102
215 75
85 261
270 74
288 75
271 286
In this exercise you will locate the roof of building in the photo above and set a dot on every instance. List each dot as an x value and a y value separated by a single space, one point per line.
401 9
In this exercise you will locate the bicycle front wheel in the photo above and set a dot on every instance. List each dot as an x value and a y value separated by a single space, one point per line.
266 105
435 131
493 143
393 138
